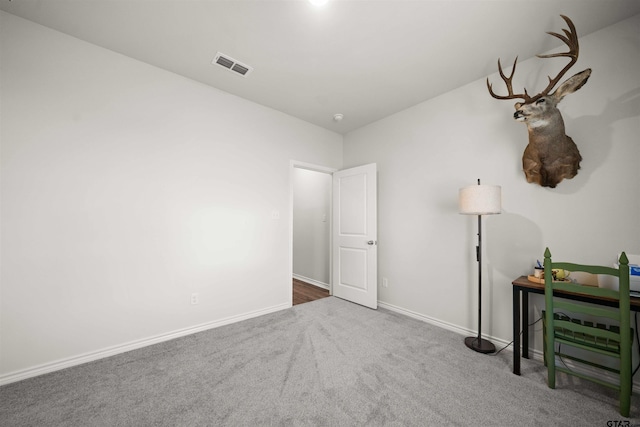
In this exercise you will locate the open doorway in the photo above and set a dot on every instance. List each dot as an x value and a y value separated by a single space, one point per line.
304 292
311 232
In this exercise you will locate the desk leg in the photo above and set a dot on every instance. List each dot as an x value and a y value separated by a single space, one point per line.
525 324
516 331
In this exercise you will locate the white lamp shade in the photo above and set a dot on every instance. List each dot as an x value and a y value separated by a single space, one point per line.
480 200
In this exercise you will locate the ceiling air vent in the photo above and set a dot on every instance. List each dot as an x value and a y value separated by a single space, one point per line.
231 64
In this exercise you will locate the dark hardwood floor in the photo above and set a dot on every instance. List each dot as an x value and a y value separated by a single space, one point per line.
304 292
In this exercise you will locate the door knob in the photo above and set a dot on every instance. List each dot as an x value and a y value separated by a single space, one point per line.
371 242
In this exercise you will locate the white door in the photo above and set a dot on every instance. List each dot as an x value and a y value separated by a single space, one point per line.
355 234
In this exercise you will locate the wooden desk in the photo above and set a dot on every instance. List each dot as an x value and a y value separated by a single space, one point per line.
521 289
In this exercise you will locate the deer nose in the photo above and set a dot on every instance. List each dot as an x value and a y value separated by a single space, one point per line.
517 114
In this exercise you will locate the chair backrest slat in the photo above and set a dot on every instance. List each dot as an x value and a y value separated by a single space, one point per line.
593 269
577 327
587 290
561 304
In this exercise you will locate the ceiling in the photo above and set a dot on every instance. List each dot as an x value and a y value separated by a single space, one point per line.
363 59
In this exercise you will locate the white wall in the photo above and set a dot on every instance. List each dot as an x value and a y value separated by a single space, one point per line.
125 189
311 226
427 152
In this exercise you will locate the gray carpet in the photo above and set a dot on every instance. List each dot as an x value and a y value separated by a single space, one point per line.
324 363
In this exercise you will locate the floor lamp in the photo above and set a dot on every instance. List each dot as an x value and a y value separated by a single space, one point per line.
480 200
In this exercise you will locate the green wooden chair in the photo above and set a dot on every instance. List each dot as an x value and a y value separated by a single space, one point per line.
613 341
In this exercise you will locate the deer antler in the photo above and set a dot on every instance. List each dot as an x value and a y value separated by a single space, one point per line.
570 39
507 81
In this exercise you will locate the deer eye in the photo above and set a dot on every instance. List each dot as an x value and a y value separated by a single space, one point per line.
540 101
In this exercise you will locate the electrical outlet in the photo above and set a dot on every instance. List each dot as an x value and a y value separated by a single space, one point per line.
194 298
385 282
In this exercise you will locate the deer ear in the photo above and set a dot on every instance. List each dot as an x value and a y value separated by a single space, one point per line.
572 84
518 105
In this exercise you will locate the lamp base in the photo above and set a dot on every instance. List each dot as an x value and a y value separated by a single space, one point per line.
480 345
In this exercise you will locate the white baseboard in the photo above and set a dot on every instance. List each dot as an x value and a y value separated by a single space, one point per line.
500 343
445 325
133 345
311 281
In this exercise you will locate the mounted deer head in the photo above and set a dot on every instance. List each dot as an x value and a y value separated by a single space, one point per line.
551 156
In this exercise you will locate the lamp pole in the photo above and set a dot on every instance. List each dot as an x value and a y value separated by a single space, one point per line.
476 343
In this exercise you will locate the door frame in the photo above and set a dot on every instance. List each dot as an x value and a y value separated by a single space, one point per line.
295 164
